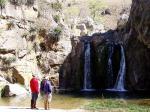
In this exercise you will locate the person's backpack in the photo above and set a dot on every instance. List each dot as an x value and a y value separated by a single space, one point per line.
42 84
47 87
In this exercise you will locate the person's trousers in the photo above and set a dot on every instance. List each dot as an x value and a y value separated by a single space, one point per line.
47 100
33 100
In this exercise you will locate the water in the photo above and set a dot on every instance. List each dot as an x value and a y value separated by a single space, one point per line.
58 102
76 101
87 86
119 85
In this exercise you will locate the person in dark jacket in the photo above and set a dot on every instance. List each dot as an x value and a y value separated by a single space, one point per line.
34 86
46 92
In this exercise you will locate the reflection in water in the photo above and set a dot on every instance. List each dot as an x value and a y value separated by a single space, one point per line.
58 101
61 101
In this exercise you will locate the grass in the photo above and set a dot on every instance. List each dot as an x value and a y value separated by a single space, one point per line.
117 105
85 8
72 11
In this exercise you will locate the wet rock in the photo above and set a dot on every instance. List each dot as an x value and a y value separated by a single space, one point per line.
122 21
6 92
136 36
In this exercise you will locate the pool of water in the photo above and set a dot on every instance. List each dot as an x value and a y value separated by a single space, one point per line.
58 101
73 101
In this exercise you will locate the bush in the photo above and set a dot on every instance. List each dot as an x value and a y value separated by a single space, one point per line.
42 32
56 6
24 35
54 36
57 31
2 4
56 18
7 61
10 25
22 2
30 2
32 29
16 2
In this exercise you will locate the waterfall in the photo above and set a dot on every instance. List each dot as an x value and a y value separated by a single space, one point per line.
87 67
110 67
119 85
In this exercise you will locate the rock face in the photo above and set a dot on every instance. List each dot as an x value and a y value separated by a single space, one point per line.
71 70
137 37
26 46
133 34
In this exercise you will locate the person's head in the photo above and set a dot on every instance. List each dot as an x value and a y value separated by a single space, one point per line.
46 77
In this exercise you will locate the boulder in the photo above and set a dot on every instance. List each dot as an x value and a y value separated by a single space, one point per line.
6 92
106 12
13 90
89 23
122 21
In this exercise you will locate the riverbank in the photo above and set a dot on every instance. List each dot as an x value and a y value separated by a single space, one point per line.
25 109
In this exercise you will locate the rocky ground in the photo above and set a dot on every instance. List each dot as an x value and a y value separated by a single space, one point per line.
16 109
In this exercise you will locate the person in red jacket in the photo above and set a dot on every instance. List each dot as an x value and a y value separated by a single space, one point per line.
34 86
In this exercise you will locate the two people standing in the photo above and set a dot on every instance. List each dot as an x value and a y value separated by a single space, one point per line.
45 90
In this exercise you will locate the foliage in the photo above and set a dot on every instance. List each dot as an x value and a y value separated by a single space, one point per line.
72 11
54 36
56 18
32 29
22 2
24 35
113 104
30 2
57 31
10 25
2 4
17 2
42 32
7 61
95 7
56 6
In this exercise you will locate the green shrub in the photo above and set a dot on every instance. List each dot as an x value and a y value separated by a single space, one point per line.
56 18
30 2
16 2
10 25
42 32
95 6
7 61
2 4
22 2
56 6
54 36
57 31
32 29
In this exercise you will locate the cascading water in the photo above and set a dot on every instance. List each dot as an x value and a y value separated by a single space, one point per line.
87 67
110 67
119 85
